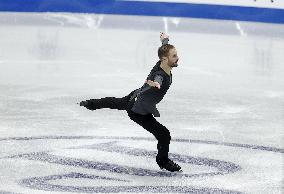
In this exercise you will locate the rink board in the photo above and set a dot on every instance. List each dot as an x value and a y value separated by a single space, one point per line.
146 8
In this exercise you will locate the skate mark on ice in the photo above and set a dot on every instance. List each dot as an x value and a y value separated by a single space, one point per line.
41 183
223 167
248 146
96 165
6 192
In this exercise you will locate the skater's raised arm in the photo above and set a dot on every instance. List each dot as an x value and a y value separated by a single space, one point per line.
158 78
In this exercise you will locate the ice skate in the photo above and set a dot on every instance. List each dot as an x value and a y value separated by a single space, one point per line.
169 165
91 104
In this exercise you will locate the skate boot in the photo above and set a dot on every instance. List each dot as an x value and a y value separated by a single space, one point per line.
91 104
168 165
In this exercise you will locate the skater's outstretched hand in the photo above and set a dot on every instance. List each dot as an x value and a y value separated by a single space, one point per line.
153 84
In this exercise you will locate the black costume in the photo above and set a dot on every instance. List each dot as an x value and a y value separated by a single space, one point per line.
147 96
140 105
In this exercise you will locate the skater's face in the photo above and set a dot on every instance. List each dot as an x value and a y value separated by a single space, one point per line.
173 58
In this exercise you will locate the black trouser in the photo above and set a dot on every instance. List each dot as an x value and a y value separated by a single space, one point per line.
148 121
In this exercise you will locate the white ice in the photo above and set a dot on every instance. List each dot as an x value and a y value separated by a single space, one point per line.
227 89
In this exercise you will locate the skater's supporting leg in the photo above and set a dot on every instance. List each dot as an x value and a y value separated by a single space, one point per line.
160 132
163 136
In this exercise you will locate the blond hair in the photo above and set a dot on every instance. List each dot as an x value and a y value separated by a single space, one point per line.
163 51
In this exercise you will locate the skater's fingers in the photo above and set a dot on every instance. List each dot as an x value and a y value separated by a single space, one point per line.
163 35
153 84
157 85
150 82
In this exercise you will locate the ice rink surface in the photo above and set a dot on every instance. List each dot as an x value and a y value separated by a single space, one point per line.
225 108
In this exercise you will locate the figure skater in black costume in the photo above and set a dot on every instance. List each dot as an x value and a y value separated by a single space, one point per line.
140 104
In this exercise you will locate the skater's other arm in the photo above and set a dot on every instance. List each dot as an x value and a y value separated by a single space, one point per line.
158 80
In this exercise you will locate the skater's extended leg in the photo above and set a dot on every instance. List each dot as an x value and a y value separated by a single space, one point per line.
107 102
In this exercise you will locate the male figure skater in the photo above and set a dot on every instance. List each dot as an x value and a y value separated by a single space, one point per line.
140 104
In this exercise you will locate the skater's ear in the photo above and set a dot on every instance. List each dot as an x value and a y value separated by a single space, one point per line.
164 59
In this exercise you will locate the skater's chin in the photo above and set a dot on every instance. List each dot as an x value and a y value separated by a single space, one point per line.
175 65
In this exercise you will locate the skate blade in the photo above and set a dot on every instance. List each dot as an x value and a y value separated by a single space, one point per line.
179 171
